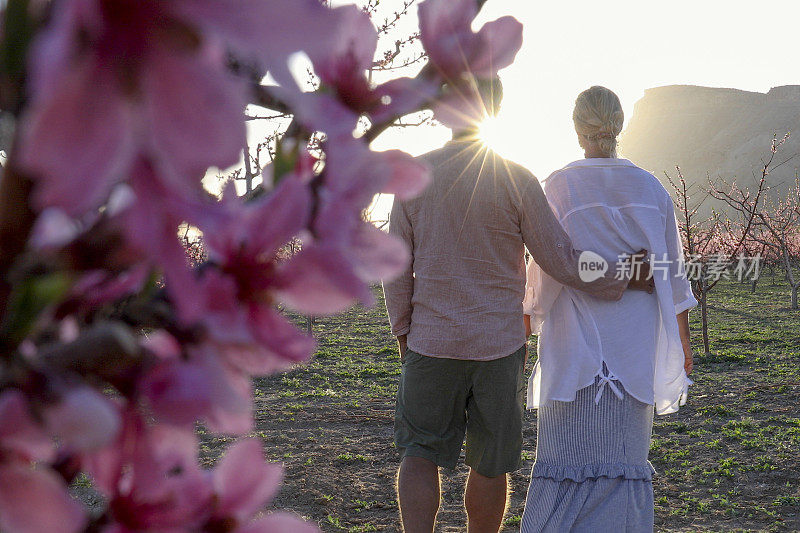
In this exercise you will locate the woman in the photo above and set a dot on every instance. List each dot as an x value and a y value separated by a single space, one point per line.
605 367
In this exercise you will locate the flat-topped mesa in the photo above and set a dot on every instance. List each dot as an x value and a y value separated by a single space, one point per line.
785 92
715 131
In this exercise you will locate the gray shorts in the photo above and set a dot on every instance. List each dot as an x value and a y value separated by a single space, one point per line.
440 401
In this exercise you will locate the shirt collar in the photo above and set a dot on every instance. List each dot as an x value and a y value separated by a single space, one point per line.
601 162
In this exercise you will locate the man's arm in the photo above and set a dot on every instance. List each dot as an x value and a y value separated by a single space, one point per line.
399 291
552 249
402 346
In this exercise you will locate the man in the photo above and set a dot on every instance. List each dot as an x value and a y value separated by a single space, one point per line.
457 315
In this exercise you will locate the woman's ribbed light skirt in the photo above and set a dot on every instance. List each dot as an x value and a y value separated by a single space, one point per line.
591 472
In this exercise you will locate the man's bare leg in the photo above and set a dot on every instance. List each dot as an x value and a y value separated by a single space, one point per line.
418 494
485 500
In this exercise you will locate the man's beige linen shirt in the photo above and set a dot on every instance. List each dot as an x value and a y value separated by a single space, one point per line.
461 296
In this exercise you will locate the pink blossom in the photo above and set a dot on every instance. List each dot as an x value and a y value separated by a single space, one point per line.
407 177
83 419
151 222
182 389
401 96
98 287
462 108
130 79
452 46
152 478
20 435
33 500
343 64
178 392
239 300
243 484
348 252
265 32
231 409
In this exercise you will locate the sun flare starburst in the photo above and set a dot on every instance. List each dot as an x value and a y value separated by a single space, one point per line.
492 133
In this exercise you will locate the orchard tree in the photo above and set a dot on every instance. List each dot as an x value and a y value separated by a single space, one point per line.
699 237
773 223
777 228
713 243
112 345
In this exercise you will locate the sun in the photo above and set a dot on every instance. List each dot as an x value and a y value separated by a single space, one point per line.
493 134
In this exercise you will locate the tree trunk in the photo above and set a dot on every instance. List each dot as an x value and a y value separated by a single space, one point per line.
753 286
787 264
248 170
704 314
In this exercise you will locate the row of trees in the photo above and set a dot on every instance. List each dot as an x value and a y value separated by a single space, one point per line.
757 230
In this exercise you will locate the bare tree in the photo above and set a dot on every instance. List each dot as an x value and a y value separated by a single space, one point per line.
698 237
772 223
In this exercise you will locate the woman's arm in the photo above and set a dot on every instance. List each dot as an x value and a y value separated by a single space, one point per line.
686 341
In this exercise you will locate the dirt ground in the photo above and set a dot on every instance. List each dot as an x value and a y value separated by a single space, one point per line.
728 461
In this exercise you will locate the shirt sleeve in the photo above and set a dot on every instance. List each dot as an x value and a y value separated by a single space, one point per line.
551 247
398 292
682 295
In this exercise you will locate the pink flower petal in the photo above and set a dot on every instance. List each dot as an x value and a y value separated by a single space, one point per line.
404 96
378 255
54 49
105 466
77 143
462 108
162 344
446 34
83 420
255 32
501 40
194 112
232 394
322 112
19 432
35 501
164 461
408 178
178 392
319 281
151 224
279 336
244 482
224 316
343 64
279 217
53 229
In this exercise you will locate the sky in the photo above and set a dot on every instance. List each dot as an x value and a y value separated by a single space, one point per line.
627 46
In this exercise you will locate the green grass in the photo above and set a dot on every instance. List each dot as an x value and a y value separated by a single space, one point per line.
728 461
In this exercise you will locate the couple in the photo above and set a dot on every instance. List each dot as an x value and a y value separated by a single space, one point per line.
608 357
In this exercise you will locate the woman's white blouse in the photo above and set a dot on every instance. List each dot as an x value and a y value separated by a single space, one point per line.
611 207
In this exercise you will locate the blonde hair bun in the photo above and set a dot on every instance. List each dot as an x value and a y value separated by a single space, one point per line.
598 116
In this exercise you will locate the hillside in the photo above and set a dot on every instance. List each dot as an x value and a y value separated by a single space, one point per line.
714 131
